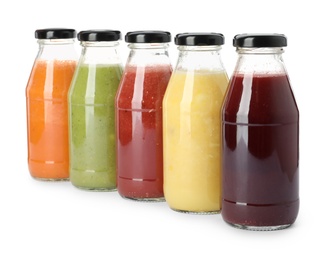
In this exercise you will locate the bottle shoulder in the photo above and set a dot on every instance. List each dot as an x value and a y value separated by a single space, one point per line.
50 79
143 87
95 83
260 98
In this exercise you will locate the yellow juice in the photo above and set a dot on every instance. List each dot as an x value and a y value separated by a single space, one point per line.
192 140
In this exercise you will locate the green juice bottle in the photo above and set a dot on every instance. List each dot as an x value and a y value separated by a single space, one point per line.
92 111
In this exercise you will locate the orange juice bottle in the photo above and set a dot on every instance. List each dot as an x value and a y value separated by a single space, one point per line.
46 100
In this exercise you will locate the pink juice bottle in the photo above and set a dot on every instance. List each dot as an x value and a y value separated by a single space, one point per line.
139 116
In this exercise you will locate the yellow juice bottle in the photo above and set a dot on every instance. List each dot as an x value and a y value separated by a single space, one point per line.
192 125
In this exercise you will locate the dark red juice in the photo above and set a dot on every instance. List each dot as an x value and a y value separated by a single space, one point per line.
139 131
260 152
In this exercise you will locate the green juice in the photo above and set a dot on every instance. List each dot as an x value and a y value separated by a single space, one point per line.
92 126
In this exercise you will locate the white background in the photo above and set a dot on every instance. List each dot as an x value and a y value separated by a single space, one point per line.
40 220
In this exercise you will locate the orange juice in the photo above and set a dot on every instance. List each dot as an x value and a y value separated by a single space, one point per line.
47 119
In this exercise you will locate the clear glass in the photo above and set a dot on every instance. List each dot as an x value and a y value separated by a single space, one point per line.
192 129
260 60
139 122
46 104
92 117
260 165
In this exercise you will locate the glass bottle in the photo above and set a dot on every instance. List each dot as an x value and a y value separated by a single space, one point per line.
192 125
46 104
139 116
260 138
92 111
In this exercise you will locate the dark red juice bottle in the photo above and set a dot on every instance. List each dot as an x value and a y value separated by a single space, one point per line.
260 163
139 116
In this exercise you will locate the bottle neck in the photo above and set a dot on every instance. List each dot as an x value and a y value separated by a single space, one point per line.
200 58
57 49
148 54
105 52
260 61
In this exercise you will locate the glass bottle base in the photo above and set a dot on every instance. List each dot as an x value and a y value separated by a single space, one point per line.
96 189
197 212
51 179
259 228
160 199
